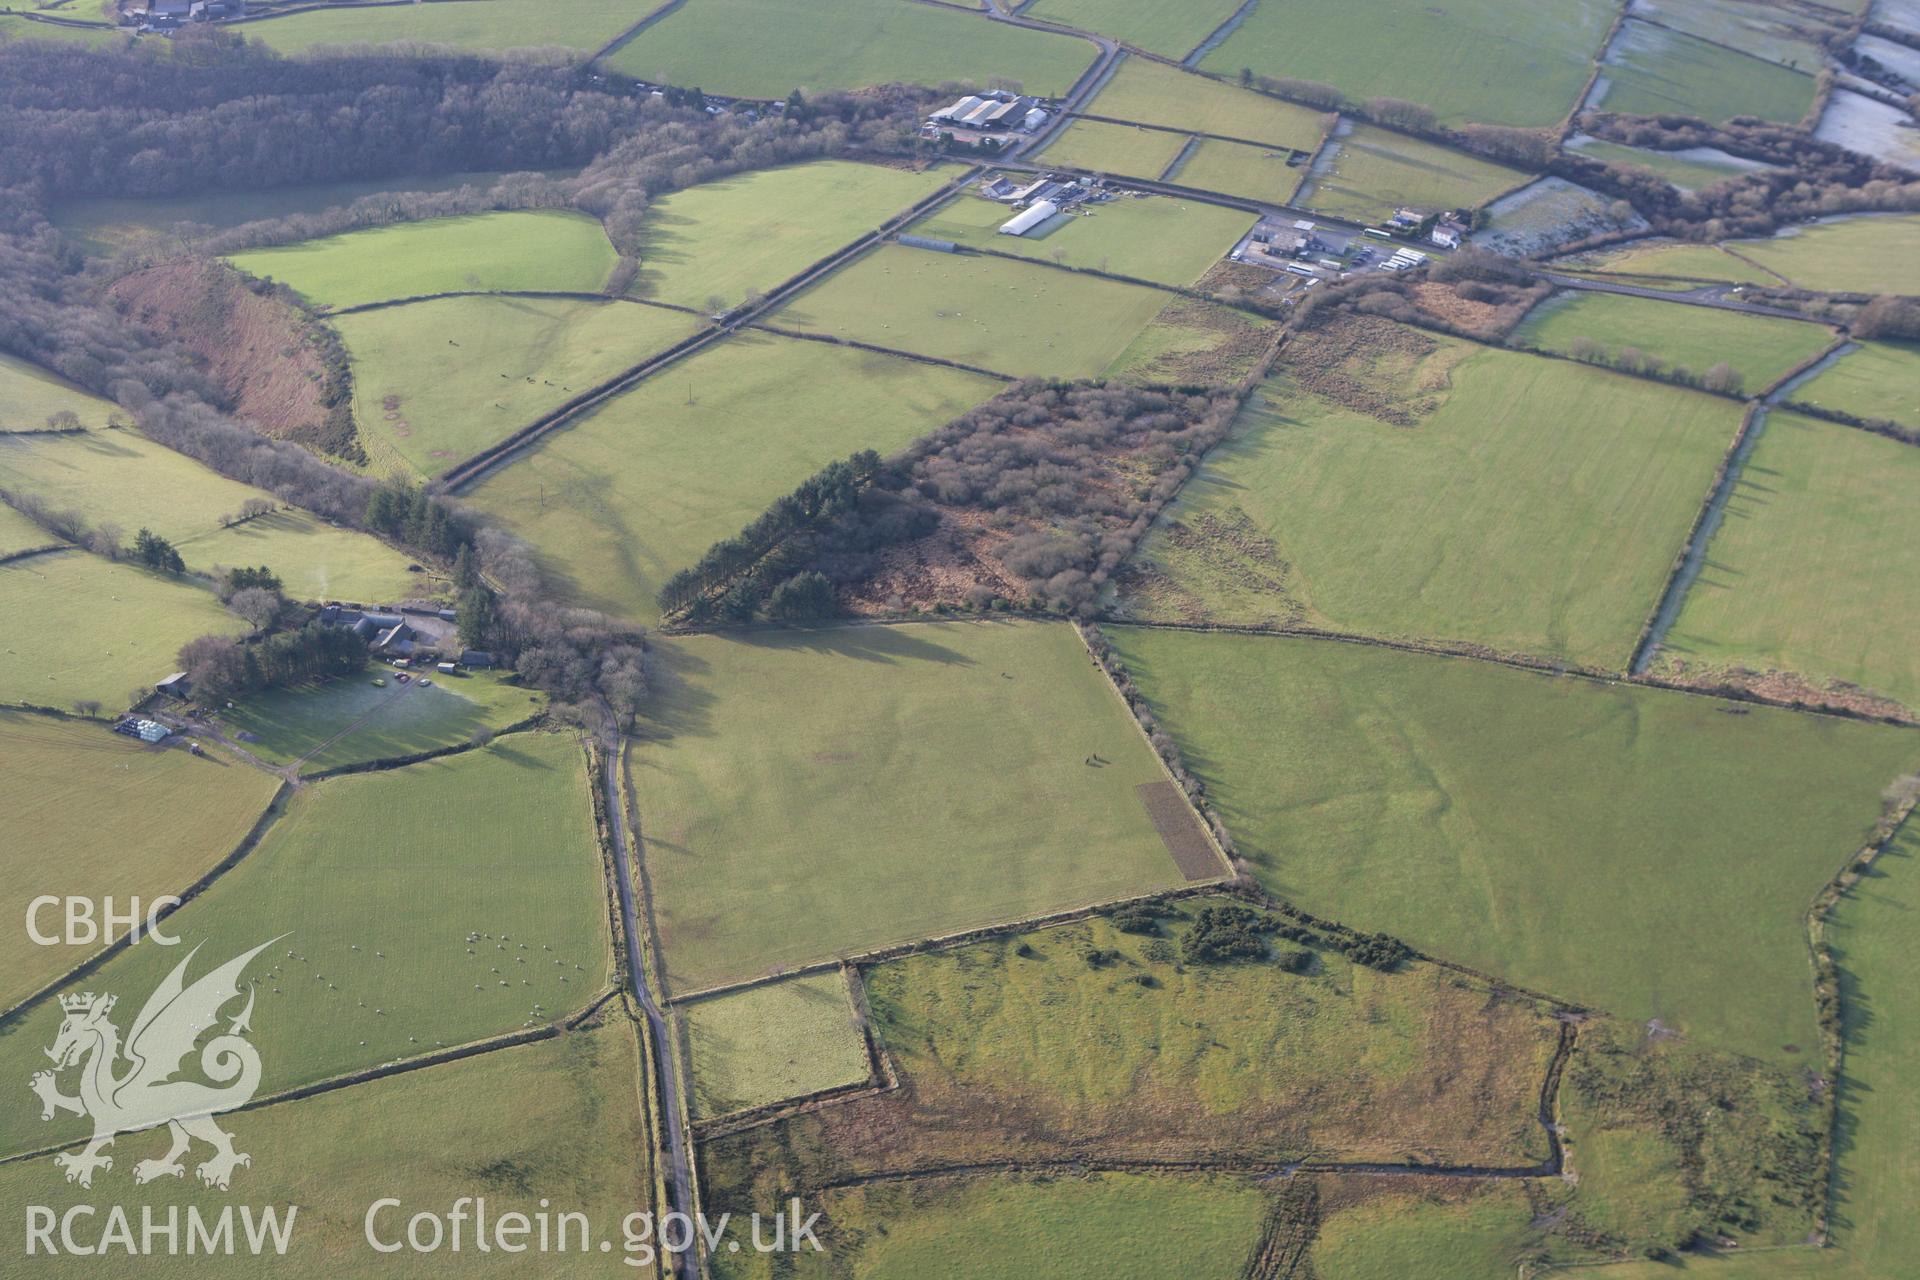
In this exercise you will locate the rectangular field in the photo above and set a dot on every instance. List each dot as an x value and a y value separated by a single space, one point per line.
584 25
1761 349
1812 572
1010 317
1654 71
1150 92
1240 169
531 249
1372 172
619 501
29 395
1638 850
1160 238
1878 380
1170 29
350 720
1131 150
715 242
17 533
1481 60
1447 492
1672 261
1691 169
767 48
811 793
767 1044
1193 342
436 382
1873 254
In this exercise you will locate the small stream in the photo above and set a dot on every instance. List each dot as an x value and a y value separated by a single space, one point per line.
1220 33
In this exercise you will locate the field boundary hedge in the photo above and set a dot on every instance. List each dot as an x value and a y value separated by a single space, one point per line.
837 341
528 724
562 295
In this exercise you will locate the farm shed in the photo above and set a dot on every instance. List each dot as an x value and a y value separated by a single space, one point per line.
174 686
1033 216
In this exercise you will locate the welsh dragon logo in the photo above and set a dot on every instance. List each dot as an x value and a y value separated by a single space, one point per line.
129 1088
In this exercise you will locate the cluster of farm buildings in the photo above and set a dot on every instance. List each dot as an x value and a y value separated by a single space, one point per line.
986 119
171 15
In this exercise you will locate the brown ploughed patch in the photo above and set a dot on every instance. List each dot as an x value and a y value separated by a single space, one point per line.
1173 818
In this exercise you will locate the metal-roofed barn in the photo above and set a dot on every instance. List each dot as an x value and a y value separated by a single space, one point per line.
1028 219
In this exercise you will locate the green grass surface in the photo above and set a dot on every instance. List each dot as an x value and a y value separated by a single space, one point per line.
401 865
436 382
1007 316
1849 255
1437 1232
1194 342
1158 238
1475 60
17 533
350 720
29 395
1761 349
1652 71
120 477
1688 172
13 27
1240 169
1642 851
1765 31
535 249
1374 172
549 1128
79 626
1150 24
91 813
770 1043
496 24
767 48
757 230
1114 148
1155 93
1530 505
1879 380
816 792
618 502
1677 260
1805 574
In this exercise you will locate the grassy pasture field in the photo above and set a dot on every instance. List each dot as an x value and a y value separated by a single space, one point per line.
808 793
618 502
756 230
1530 505
84 627
1373 172
767 48
349 720
1194 342
1150 92
1386 1229
1479 60
1673 261
1172 30
1690 170
435 382
1809 573
1132 150
13 27
1239 169
376 881
496 24
1761 349
1639 850
770 1043
1654 71
1012 317
91 813
530 249
1846 255
1877 380
17 533
1763 31
121 477
560 1123
1159 238
29 395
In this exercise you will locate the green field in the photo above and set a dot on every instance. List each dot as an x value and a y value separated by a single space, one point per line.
1530 505
1761 349
1011 317
1687 171
548 249
17 533
436 382
376 881
1877 380
29 395
84 627
817 792
1652 260
351 720
1195 342
91 813
1653 71
496 24
13 28
1159 238
1471 60
1239 169
1434 1231
1372 173
1774 34
766 1044
1847 255
1805 575
767 48
1155 93
557 1125
1171 29
756 230
120 477
1132 150
1638 850
618 502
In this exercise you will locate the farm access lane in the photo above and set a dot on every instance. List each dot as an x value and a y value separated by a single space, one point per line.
1714 295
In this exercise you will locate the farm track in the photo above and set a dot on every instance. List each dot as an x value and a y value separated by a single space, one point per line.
1714 296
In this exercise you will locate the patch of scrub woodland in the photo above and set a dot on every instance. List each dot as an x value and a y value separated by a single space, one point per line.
1192 343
